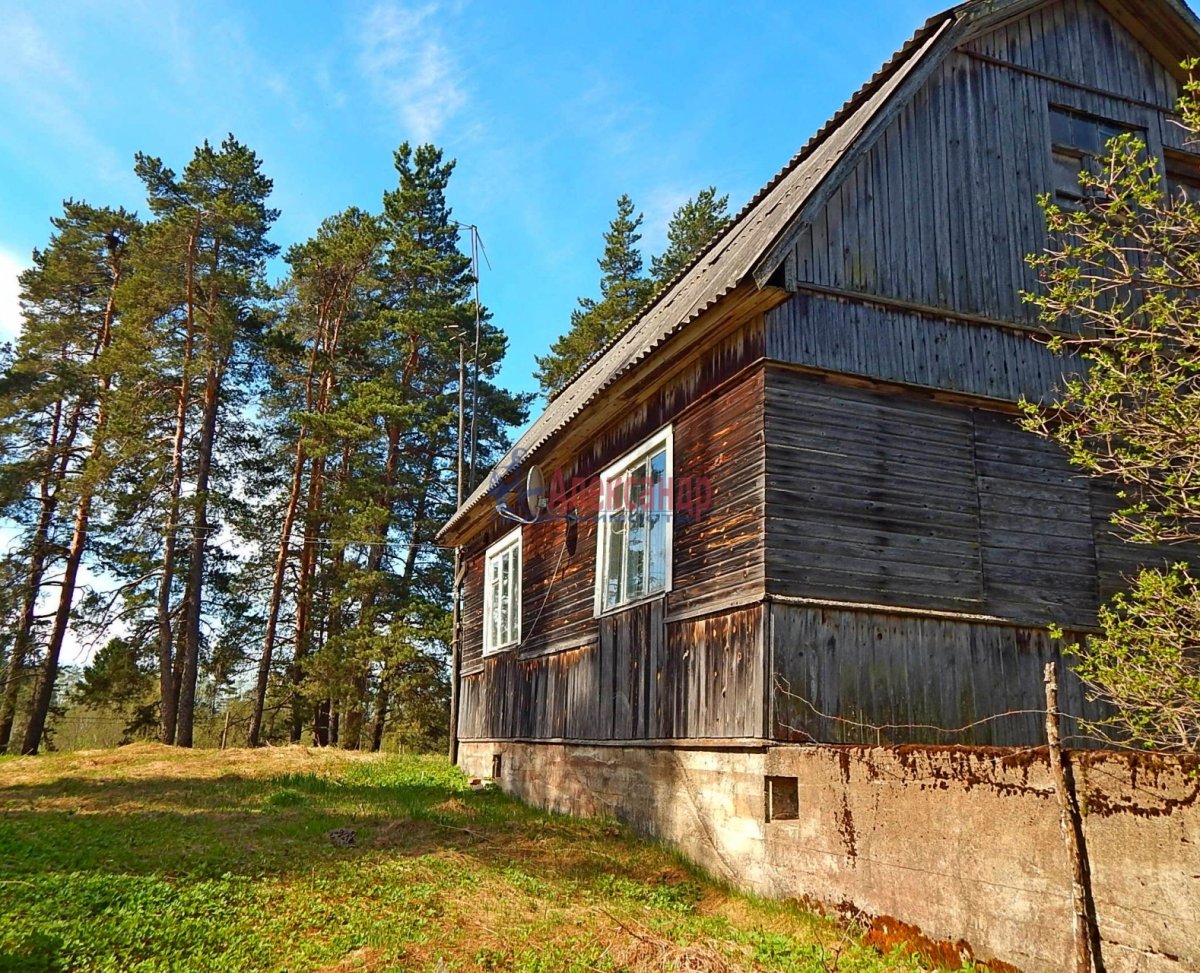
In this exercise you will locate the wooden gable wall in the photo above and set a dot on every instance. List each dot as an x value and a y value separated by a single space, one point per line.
934 221
919 542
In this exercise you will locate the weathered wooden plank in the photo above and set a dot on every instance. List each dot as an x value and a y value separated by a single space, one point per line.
883 669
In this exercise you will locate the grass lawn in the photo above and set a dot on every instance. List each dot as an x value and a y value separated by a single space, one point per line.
148 858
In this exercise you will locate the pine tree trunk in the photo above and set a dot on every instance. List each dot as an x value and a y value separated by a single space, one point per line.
168 684
254 732
38 550
195 579
62 618
381 709
24 634
321 723
83 511
304 592
44 688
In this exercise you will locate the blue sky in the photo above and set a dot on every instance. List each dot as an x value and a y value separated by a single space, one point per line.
552 110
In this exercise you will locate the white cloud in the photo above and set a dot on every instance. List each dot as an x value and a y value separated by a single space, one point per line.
40 80
10 308
409 68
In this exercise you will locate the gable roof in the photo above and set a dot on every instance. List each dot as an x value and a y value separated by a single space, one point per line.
747 248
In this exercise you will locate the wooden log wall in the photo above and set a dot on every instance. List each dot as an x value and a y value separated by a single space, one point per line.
875 668
942 210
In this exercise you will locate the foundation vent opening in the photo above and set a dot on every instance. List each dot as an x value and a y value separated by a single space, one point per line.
496 766
783 798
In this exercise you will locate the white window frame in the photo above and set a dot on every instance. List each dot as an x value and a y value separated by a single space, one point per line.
511 540
618 470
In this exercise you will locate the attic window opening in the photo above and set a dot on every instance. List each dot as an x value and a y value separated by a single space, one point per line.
1077 144
1183 177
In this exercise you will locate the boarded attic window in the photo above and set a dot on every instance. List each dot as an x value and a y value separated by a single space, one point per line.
1183 177
1077 142
783 798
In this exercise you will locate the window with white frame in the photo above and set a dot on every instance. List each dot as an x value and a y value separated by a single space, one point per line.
634 532
502 593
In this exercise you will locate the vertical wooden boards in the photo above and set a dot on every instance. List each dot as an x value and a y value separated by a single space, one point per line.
644 679
1080 41
870 497
718 438
942 210
837 669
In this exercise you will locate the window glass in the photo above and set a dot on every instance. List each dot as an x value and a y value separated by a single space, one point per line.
660 508
635 537
635 555
502 594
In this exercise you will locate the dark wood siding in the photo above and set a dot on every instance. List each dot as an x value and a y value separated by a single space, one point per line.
716 407
1035 524
687 665
643 679
942 209
718 556
894 345
1078 40
871 497
835 669
893 498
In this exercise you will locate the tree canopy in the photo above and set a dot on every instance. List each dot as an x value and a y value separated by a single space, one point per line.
624 287
1122 291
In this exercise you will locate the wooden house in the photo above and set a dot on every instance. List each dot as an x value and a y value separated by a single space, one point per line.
856 532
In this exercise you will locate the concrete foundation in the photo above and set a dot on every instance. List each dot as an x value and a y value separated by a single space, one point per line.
960 846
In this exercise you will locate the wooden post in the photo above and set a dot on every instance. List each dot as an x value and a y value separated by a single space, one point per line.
225 731
1071 822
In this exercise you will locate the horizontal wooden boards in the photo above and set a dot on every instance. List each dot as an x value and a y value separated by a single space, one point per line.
838 674
870 497
852 337
885 497
1035 526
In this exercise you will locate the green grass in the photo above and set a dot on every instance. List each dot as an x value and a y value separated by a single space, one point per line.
147 859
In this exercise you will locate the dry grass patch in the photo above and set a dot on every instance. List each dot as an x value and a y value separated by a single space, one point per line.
149 859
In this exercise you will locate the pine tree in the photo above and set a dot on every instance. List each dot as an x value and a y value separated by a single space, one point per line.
623 292
52 419
331 277
692 226
197 299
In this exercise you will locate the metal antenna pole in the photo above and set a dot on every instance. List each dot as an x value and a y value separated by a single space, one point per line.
475 244
462 380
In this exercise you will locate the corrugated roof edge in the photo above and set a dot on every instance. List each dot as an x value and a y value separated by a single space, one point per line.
846 111
847 108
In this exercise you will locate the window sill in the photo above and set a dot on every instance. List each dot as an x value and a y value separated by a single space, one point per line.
625 606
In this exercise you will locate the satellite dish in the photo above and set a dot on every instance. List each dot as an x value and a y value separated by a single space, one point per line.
535 492
535 499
